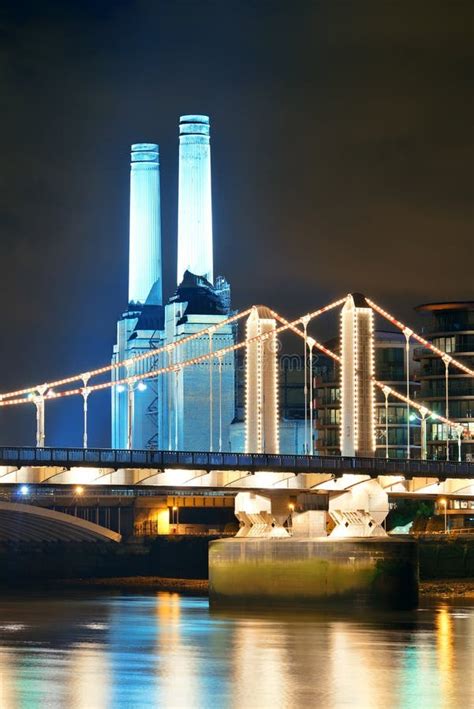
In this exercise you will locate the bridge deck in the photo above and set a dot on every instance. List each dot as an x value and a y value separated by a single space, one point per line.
253 462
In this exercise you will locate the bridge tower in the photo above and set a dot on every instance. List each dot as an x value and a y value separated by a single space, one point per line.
261 395
357 378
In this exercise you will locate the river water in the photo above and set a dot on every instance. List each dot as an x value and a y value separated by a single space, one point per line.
108 651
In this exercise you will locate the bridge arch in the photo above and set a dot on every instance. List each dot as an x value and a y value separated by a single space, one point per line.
28 523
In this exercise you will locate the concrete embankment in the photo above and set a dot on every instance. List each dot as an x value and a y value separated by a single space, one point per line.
180 557
176 557
446 557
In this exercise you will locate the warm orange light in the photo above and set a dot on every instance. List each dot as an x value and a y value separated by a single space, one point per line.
442 501
291 507
79 490
175 509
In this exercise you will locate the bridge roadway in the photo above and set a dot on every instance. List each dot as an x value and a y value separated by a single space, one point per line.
161 461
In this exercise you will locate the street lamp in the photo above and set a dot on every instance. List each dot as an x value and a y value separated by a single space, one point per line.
425 414
311 344
220 363
444 503
446 359
305 322
386 391
459 432
132 386
408 333
85 395
211 393
176 517
291 508
38 400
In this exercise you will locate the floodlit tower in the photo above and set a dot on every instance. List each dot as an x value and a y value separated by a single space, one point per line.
261 405
134 409
194 199
357 378
145 226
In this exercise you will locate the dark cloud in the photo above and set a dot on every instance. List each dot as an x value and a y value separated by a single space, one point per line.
342 156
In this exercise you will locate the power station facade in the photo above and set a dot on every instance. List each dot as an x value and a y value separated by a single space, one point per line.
189 408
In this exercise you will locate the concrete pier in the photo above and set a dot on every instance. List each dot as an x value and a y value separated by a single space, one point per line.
316 571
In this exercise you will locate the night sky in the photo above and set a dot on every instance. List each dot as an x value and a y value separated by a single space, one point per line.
342 157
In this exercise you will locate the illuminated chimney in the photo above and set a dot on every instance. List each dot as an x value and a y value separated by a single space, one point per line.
194 198
145 225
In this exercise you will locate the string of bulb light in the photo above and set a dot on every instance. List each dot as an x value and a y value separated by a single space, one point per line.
130 361
8 400
380 385
50 394
419 338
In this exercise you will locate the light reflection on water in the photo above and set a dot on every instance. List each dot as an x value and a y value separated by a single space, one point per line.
111 651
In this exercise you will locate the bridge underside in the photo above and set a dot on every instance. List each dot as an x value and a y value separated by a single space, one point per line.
28 523
235 480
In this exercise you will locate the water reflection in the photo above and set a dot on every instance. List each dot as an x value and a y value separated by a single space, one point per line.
175 657
444 639
112 651
88 662
260 663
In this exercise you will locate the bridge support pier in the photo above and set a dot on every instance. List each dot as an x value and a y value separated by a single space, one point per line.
360 510
313 572
261 516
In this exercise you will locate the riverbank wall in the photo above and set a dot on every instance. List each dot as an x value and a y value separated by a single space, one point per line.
167 556
177 556
446 556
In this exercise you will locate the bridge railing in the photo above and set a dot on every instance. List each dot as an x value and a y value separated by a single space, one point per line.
253 462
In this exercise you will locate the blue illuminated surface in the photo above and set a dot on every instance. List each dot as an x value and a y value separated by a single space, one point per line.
145 224
195 198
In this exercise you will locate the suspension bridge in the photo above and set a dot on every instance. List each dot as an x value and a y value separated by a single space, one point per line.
87 383
260 465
